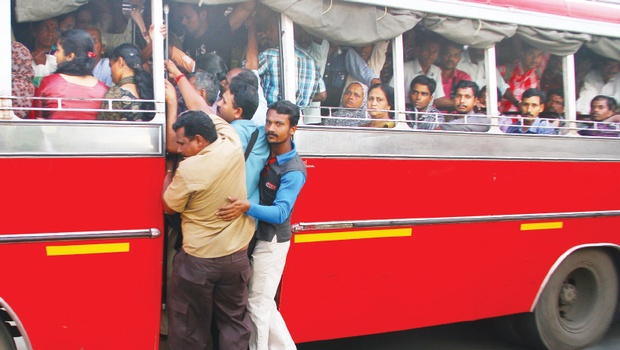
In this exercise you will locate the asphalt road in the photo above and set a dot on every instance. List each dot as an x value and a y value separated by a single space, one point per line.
460 336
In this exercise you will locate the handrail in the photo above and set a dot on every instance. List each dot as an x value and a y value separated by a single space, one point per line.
78 235
335 225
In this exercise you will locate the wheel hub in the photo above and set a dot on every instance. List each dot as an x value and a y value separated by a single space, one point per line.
568 295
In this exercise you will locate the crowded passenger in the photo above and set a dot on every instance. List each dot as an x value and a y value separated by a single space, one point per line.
207 87
207 30
281 181
310 85
374 56
131 82
449 58
380 105
22 73
602 79
66 22
102 69
465 99
602 113
473 63
554 107
521 75
352 111
425 115
428 53
45 37
528 122
343 62
73 80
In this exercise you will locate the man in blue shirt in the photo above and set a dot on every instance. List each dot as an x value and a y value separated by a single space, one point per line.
237 106
531 106
280 183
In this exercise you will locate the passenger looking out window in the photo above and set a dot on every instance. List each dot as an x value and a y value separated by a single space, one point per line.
450 57
353 107
473 64
131 82
428 53
529 122
603 79
45 37
73 79
521 75
465 99
380 103
343 62
425 115
602 112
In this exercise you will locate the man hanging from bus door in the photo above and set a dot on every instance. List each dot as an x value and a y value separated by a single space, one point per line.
280 183
211 271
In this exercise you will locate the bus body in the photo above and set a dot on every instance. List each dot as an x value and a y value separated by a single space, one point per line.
395 229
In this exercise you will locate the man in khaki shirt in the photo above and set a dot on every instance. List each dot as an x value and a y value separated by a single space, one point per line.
211 271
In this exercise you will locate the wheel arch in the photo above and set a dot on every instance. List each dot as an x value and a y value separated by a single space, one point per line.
20 326
611 248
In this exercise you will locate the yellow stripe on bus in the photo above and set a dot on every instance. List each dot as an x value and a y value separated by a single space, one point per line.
542 226
343 236
87 249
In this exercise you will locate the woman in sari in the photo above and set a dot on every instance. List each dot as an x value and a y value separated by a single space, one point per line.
352 111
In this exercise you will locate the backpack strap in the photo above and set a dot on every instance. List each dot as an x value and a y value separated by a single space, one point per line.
253 139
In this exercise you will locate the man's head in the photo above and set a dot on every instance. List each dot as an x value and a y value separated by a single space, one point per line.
532 104
531 57
555 101
281 123
207 86
240 101
609 68
267 32
421 91
465 96
602 107
194 131
451 53
194 19
99 47
428 52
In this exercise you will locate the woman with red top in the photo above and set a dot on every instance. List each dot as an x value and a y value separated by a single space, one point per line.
73 80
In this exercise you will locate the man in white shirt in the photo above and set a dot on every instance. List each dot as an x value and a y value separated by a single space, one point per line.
428 53
604 79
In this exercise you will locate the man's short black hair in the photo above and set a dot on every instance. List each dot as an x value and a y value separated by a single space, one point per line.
534 92
555 92
466 84
430 83
245 96
196 123
611 102
287 107
248 77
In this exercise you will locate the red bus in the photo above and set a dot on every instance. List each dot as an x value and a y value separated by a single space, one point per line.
395 229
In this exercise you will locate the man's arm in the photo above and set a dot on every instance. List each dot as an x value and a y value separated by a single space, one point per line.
167 181
358 69
171 117
192 98
240 14
290 186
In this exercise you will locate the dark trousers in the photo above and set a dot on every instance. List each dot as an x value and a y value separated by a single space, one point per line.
205 287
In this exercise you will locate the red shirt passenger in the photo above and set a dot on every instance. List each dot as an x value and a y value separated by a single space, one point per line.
73 81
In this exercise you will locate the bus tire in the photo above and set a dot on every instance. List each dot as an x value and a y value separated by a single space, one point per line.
578 303
6 340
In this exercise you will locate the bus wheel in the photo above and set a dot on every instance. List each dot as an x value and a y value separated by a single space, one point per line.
6 340
578 304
